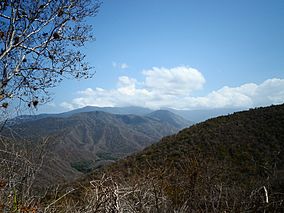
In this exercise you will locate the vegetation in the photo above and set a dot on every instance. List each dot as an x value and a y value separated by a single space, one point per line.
83 166
231 163
227 164
97 137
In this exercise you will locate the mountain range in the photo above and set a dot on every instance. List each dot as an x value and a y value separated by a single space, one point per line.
230 163
81 140
86 138
194 116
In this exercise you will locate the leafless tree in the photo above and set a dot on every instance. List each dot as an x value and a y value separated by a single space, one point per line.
19 167
40 44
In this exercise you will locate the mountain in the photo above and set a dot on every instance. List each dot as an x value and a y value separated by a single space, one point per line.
169 118
230 163
113 110
83 141
194 116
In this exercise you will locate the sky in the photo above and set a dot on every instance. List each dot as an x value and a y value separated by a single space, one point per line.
182 54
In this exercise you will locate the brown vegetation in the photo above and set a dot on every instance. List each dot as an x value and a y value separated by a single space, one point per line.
228 164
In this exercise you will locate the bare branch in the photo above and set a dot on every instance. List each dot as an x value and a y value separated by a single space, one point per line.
39 46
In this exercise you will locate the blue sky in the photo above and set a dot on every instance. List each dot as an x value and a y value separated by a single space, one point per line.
182 54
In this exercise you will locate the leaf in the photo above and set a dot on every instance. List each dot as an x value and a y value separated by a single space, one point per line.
35 103
56 35
60 13
5 105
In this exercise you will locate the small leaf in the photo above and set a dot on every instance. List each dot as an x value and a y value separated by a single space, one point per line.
56 35
5 105
35 103
16 40
60 13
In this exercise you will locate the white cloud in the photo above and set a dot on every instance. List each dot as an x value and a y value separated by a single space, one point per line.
269 92
174 88
66 105
176 81
126 86
120 65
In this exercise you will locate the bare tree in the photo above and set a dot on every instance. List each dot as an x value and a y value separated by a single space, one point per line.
40 44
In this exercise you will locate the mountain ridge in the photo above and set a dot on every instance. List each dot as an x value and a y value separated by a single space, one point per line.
193 116
223 163
86 140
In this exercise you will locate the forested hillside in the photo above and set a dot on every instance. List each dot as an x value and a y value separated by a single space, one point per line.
230 163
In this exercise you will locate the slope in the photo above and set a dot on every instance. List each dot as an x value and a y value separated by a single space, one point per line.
83 141
231 163
169 118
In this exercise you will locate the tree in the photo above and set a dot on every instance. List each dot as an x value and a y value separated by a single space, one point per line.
40 44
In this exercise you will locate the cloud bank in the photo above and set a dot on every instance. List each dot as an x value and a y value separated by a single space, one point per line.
174 88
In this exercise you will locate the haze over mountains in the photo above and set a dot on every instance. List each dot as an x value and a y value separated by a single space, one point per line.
194 116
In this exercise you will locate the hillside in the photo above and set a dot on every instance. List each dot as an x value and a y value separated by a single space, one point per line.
260 129
82 141
223 164
231 163
169 118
